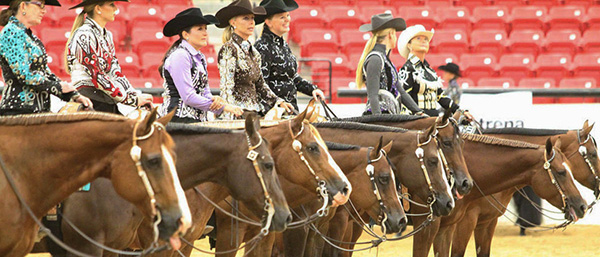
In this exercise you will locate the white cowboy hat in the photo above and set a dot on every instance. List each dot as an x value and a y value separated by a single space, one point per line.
410 33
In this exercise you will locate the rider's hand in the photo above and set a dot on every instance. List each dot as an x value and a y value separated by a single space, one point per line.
318 94
287 106
66 87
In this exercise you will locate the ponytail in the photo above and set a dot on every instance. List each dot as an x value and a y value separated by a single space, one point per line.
12 10
79 19
171 49
378 37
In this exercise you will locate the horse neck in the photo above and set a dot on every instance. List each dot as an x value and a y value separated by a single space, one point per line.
497 168
50 170
412 124
213 155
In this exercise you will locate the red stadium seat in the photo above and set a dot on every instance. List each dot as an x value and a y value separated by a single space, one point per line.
150 59
581 82
566 17
130 64
436 60
340 65
144 83
587 65
562 41
466 83
584 3
534 83
118 28
370 10
423 15
471 4
450 41
306 17
526 41
55 62
516 66
477 66
353 41
339 82
55 39
170 10
189 3
145 40
490 17
528 17
589 41
496 83
334 2
406 3
343 17
545 3
145 16
554 65
439 3
62 17
489 41
592 19
317 41
152 72
454 18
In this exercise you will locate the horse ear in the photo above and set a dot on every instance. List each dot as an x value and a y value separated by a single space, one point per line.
548 147
387 148
558 143
446 116
380 144
585 124
297 121
148 121
165 119
456 115
252 125
431 129
587 129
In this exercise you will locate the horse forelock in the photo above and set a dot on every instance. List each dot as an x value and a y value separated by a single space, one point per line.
48 118
489 140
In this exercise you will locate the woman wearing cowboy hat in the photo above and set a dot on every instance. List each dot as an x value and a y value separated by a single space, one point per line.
418 79
279 66
29 81
90 58
376 70
185 73
242 82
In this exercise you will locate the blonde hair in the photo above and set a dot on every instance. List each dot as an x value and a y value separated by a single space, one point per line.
378 37
89 10
227 33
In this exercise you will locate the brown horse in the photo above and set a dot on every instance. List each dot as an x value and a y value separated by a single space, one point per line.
429 183
514 163
364 204
481 218
50 156
448 137
205 154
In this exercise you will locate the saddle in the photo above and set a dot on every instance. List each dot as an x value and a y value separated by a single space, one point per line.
72 107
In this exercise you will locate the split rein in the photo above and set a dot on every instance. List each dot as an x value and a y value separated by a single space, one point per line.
136 157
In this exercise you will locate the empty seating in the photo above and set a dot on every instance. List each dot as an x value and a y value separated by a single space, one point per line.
436 60
592 19
566 17
146 40
562 41
477 66
490 17
526 41
308 17
590 42
370 10
315 41
353 41
145 16
343 17
516 66
454 18
587 65
471 4
130 64
553 65
496 83
466 83
423 15
450 41
144 83
491 41
535 83
528 17
578 83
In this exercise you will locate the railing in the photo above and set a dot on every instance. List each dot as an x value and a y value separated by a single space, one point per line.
329 71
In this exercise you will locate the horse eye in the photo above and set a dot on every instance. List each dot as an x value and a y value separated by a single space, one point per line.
313 149
562 173
447 143
268 166
154 162
433 161
384 180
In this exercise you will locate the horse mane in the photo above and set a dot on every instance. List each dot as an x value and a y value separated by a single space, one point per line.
383 118
358 126
189 129
236 124
526 131
340 147
47 118
499 141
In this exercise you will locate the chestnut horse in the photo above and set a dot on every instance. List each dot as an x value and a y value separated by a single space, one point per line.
46 157
496 165
481 218
205 154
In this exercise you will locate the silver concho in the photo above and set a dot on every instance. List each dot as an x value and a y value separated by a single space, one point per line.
546 165
419 152
252 155
297 145
582 150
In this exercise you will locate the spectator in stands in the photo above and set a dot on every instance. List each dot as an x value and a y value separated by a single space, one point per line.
416 76
29 81
279 66
185 73
451 75
91 61
376 70
242 82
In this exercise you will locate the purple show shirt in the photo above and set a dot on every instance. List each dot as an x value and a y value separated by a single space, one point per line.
179 66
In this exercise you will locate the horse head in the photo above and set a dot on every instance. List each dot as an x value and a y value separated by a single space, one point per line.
264 198
584 158
155 187
387 209
554 182
451 145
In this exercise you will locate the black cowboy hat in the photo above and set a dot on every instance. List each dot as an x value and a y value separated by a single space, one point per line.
238 7
383 21
47 2
275 7
452 68
88 2
189 17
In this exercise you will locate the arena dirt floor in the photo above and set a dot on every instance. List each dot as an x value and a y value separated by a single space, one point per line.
576 240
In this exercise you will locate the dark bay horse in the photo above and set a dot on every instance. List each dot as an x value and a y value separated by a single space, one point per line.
364 202
448 137
412 151
481 218
205 155
496 165
50 156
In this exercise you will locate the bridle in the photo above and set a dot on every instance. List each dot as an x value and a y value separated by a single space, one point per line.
450 174
548 168
420 154
321 189
583 152
370 169
269 209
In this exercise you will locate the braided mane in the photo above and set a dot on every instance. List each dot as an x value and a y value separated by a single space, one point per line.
47 118
383 118
499 141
